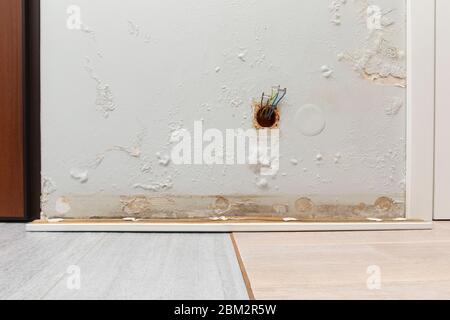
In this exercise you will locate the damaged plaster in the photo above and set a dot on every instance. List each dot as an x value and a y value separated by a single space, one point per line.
342 126
378 59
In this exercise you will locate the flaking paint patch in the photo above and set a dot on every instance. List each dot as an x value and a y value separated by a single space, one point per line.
327 72
335 9
48 187
155 187
242 55
377 19
378 61
135 206
81 176
105 98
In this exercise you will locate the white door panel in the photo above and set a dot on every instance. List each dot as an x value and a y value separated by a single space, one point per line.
442 180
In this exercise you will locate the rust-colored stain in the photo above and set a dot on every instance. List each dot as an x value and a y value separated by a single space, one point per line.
229 207
222 204
135 206
261 122
304 205
384 203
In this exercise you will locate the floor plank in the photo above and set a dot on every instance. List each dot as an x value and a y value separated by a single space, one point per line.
411 264
118 266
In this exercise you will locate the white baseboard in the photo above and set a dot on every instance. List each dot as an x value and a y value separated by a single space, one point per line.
225 227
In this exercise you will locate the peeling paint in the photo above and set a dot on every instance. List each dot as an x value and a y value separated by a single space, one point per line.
79 175
135 206
379 61
335 9
105 98
48 187
128 182
155 187
327 72
242 55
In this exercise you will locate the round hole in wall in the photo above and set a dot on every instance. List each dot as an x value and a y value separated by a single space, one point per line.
266 119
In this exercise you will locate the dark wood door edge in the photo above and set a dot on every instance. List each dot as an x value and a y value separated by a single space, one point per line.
32 108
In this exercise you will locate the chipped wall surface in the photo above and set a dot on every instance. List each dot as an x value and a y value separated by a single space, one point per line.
120 85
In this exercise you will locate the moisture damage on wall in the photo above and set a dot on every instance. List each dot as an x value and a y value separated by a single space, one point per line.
133 96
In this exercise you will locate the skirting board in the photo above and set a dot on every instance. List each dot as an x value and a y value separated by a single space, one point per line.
225 227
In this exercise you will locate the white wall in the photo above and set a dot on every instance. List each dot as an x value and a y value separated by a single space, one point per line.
442 169
208 59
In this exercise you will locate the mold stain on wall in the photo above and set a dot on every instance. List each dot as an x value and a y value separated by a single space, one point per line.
334 164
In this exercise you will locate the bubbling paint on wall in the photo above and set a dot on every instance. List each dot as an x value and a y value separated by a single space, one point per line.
124 81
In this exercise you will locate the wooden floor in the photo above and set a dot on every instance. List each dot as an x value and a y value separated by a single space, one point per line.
117 266
314 265
410 264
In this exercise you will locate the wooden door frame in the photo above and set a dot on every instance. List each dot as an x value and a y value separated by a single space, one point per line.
420 110
442 152
32 109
